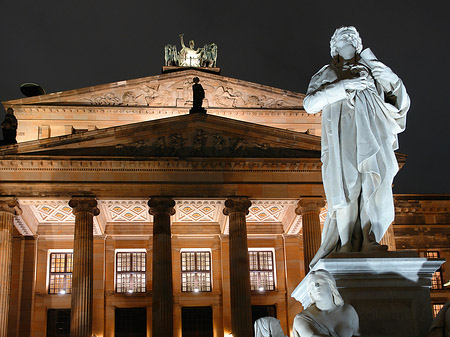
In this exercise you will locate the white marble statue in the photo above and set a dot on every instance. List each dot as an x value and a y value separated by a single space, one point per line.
327 315
441 324
188 56
268 327
364 105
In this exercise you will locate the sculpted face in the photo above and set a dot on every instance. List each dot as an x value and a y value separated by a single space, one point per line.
320 289
345 49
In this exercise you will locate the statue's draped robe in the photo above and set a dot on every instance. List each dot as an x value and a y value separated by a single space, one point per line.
268 327
315 325
359 136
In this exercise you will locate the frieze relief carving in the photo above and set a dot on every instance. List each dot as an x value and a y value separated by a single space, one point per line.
171 93
201 143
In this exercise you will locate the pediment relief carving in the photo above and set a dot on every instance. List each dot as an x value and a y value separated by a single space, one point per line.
175 90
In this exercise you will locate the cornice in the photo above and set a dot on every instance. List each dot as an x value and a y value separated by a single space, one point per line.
40 164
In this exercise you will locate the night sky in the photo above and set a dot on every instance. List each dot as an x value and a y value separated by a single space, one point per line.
65 45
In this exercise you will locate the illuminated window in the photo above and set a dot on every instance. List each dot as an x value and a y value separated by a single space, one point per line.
60 274
261 270
436 281
131 272
436 308
195 271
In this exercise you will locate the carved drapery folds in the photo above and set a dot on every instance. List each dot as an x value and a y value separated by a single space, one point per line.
84 208
162 285
9 207
236 209
309 208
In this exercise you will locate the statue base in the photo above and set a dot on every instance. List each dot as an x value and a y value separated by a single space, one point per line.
171 69
389 290
197 111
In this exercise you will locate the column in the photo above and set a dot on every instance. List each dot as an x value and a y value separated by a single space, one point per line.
162 289
9 207
84 208
309 209
241 311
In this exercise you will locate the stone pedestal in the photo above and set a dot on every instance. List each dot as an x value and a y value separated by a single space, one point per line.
84 209
390 291
241 310
8 208
162 285
309 209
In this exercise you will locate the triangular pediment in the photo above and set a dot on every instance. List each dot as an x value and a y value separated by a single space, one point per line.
172 90
195 135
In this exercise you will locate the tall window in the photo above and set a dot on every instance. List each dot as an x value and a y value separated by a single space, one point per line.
261 270
60 274
436 281
437 307
195 271
131 272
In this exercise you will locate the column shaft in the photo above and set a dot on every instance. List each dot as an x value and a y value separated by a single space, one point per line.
309 208
82 277
8 208
241 311
162 285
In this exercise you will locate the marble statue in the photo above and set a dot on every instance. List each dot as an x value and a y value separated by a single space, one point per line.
441 324
198 94
188 56
209 56
327 315
364 106
268 327
170 55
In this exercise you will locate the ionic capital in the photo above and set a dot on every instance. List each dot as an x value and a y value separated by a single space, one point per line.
309 204
10 205
161 205
237 204
84 204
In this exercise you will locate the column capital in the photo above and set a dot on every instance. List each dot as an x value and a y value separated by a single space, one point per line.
237 204
160 204
309 204
9 204
84 204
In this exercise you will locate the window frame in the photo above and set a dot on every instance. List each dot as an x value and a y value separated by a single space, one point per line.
273 270
66 273
437 280
197 270
116 272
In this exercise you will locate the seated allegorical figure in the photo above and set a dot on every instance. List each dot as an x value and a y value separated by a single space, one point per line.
268 327
328 315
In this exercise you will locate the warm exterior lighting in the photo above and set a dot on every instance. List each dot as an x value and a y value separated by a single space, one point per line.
130 291
62 292
261 289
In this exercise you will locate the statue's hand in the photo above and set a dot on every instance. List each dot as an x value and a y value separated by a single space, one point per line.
384 74
181 35
359 83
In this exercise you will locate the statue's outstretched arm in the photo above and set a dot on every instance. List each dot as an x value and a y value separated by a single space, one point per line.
182 41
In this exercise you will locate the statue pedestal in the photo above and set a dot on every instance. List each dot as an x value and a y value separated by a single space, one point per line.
389 290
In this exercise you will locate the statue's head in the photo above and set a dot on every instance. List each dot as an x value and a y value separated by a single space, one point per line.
320 284
196 80
345 35
191 44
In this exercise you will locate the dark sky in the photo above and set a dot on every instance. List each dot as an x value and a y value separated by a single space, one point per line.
65 45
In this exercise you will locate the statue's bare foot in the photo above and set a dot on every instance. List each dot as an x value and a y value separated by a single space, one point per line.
346 248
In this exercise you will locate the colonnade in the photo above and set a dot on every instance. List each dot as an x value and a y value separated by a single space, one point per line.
161 207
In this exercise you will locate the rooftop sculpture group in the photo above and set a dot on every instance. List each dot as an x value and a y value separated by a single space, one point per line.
189 56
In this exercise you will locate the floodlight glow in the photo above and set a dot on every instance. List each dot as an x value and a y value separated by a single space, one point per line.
62 291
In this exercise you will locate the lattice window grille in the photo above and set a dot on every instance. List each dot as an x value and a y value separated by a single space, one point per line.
60 273
437 307
261 270
436 281
131 272
195 271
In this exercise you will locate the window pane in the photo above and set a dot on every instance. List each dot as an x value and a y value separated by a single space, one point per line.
261 270
131 272
60 274
195 271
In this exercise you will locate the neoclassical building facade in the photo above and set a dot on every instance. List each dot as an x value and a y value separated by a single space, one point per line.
122 214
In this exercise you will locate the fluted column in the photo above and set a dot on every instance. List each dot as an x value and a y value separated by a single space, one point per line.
241 310
8 208
84 208
309 209
162 286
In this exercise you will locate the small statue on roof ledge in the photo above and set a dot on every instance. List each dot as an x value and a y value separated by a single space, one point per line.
198 96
